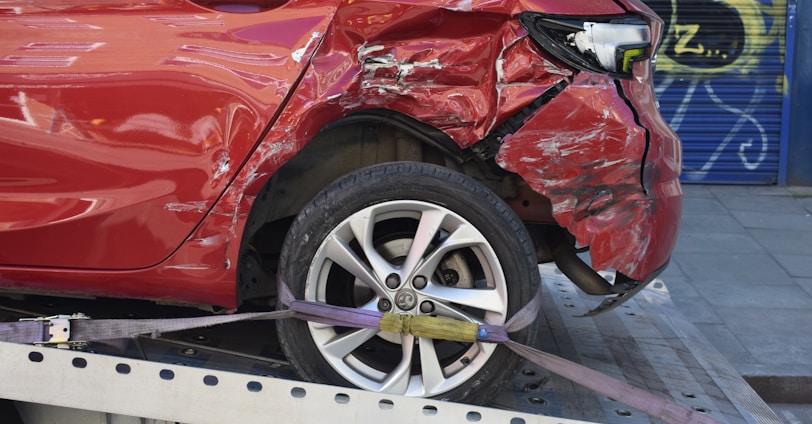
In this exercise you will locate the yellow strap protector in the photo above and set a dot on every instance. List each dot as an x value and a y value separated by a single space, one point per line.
440 328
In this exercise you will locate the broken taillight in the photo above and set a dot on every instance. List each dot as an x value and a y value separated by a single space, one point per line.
606 45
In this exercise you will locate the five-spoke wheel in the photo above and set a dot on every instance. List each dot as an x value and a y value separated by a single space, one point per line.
407 238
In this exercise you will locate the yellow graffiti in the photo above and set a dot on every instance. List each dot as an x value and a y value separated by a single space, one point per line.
758 36
685 34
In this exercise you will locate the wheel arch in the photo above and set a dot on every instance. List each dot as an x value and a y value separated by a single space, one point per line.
356 141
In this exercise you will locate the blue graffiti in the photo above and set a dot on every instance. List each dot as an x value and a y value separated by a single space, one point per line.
720 83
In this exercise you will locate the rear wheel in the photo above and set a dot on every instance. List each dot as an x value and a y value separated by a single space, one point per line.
416 239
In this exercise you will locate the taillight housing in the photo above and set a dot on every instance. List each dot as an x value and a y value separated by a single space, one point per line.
607 45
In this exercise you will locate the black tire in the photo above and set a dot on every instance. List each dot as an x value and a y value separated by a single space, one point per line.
486 281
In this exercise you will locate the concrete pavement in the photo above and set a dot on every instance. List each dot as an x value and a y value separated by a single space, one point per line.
742 274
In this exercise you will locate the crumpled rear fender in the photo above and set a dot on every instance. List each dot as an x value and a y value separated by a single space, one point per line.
463 74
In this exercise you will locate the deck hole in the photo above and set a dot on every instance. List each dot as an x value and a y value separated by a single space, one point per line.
429 410
529 373
532 387
167 374
298 392
123 368
623 412
517 420
386 404
701 409
537 401
689 395
473 416
254 386
35 356
210 380
188 351
569 305
79 362
342 398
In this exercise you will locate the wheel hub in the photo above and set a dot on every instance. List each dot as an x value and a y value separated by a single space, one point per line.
406 300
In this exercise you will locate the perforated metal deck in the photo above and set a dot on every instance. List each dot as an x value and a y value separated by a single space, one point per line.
645 342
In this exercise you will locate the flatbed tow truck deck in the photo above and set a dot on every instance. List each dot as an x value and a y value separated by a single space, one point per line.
235 372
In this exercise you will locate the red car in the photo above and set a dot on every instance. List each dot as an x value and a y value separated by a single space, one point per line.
415 157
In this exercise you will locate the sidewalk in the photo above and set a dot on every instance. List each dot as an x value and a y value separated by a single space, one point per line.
742 274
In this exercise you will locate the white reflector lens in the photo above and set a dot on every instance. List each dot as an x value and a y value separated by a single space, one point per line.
607 41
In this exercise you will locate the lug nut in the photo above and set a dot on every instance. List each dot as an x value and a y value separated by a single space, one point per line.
427 307
384 305
393 281
419 282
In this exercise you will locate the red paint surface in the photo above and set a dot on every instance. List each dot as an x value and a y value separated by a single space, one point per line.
133 143
120 130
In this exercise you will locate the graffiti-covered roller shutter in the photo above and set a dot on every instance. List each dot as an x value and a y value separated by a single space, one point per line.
720 79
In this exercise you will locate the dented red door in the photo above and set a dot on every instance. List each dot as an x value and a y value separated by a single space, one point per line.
121 128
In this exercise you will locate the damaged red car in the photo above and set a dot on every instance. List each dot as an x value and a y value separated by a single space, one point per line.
417 157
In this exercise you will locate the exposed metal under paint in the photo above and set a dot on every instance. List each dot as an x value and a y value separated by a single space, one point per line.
186 207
